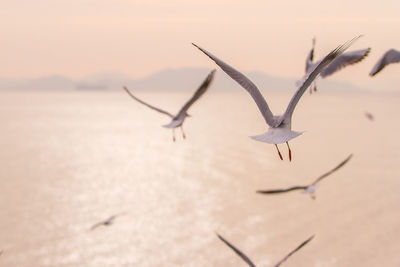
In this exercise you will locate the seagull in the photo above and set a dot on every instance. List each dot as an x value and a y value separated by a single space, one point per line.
391 56
279 126
250 263
345 59
178 119
309 189
369 116
106 222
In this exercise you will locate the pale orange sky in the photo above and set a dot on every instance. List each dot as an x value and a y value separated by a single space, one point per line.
76 38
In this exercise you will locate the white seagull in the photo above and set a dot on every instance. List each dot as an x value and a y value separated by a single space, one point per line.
250 263
308 189
106 222
345 59
279 126
178 119
391 56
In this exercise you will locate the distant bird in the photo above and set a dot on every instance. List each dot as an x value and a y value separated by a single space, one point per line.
178 119
106 222
345 59
309 189
391 56
250 263
369 116
279 126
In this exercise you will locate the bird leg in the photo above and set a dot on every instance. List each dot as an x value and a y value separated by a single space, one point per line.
183 134
290 151
280 155
173 134
315 87
313 196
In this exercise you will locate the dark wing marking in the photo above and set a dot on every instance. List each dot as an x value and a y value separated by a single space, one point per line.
310 58
391 56
277 191
344 60
199 92
148 105
292 252
237 251
341 164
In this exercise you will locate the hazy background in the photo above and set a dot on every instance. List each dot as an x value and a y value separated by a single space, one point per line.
70 158
81 38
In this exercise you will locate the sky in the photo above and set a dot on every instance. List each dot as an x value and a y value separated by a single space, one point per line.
76 38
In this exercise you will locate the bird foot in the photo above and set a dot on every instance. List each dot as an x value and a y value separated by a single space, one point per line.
279 153
290 151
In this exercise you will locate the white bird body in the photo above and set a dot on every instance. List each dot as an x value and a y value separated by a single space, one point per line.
175 123
310 189
279 126
277 135
391 56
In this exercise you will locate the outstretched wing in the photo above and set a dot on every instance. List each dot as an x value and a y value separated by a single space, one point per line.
246 84
199 92
237 251
324 62
391 56
293 251
277 191
344 60
341 164
94 226
148 105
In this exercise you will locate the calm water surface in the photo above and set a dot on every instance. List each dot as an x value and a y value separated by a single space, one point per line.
70 159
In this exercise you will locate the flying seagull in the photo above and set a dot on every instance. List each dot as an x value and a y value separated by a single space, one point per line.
369 116
345 59
279 126
178 119
309 189
391 56
250 263
106 222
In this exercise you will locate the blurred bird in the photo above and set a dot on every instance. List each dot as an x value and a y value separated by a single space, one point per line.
106 222
345 59
178 119
391 56
250 263
308 189
279 126
369 116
